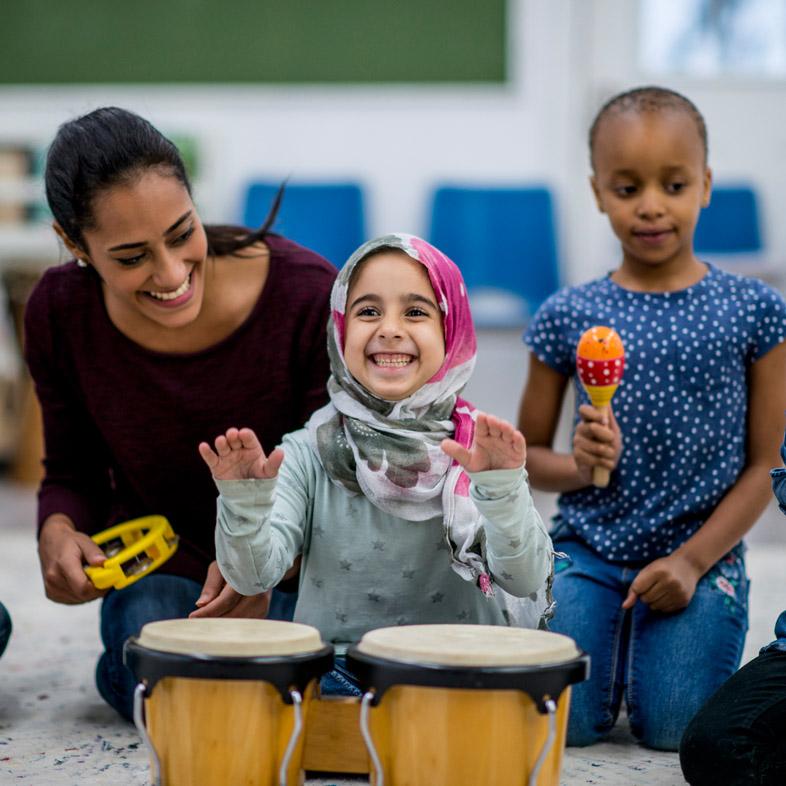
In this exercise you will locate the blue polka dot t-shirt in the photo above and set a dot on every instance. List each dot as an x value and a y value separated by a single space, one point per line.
681 405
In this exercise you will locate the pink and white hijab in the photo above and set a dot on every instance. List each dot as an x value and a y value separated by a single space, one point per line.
390 450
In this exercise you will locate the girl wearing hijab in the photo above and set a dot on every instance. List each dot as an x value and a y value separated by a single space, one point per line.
407 504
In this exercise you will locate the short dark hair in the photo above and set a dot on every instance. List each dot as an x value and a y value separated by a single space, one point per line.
111 146
649 99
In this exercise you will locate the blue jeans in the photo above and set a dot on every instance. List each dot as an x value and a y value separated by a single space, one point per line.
667 665
124 612
340 681
5 628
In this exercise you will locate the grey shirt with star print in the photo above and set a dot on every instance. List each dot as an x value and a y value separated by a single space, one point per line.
363 568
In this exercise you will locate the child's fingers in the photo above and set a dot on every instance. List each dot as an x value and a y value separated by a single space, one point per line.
248 439
518 441
655 595
210 458
233 438
222 446
591 460
456 451
603 417
273 463
597 450
494 426
630 601
595 431
645 581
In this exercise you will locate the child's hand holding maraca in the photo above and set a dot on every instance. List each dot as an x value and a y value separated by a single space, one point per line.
597 441
600 361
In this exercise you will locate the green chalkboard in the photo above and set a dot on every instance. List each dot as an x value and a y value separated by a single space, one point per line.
252 41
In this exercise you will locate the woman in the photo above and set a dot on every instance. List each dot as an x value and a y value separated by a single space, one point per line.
126 345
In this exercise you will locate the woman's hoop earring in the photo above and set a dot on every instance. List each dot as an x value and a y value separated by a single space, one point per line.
81 263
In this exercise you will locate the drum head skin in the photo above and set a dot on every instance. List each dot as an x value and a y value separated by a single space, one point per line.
485 646
476 657
223 636
285 654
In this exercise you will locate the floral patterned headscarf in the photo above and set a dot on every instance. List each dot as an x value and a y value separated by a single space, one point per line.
390 450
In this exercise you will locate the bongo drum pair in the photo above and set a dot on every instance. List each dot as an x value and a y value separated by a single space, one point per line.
223 702
465 705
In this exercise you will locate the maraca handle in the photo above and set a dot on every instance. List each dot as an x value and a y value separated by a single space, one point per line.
600 477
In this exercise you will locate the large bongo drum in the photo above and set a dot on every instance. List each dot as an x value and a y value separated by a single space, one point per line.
465 705
223 702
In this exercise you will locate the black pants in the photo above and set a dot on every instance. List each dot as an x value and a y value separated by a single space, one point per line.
739 736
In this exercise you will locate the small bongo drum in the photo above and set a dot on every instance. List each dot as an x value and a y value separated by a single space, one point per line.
222 702
465 705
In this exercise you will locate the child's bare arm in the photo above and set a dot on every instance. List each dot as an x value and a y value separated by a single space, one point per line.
668 584
595 443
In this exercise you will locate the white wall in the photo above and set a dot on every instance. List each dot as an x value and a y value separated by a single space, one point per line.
745 120
398 140
566 57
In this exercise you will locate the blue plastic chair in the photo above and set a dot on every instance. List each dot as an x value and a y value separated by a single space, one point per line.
503 240
730 223
325 217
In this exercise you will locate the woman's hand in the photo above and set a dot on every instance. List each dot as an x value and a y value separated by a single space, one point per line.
63 552
218 599
496 445
239 456
597 441
666 585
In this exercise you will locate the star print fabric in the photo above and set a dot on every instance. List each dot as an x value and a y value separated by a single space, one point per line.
681 405
363 568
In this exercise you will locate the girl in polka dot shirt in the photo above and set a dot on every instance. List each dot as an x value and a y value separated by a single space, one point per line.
652 582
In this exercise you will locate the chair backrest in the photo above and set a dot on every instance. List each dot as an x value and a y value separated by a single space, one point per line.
503 240
730 223
326 217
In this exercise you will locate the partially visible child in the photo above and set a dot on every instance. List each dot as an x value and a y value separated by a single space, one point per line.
406 504
653 583
5 628
739 735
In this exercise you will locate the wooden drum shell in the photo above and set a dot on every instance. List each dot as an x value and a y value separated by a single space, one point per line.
223 732
218 700
462 737
465 705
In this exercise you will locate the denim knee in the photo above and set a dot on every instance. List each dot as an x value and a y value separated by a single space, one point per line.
123 614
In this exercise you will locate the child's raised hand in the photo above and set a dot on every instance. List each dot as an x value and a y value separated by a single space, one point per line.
497 445
597 441
239 456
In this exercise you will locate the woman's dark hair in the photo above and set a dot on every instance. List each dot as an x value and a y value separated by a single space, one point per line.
649 99
112 146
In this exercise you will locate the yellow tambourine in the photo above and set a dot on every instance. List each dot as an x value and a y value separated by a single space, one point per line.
133 549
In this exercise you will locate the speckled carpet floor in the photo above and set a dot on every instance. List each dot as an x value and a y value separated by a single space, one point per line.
56 731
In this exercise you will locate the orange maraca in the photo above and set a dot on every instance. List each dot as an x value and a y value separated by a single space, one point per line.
600 361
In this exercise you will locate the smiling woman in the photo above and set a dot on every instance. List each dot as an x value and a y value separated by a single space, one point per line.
127 345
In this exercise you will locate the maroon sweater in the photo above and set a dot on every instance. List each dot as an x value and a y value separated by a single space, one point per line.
122 423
